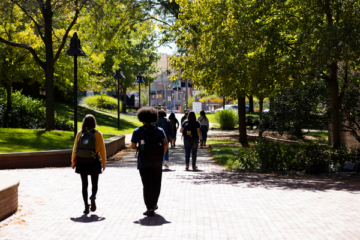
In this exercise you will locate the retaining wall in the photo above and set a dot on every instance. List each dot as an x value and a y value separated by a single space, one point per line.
54 158
8 195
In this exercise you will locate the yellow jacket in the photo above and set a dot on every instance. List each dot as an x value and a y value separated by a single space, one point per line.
99 146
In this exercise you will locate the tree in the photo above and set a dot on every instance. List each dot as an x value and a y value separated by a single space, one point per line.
48 22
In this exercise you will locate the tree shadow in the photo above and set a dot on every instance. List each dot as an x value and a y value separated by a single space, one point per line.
156 220
269 181
88 219
168 170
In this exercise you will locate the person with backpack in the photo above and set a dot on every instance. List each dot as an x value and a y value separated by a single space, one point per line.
89 157
151 144
204 127
166 125
191 133
175 126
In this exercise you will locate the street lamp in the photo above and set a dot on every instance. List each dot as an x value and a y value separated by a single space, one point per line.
118 75
75 50
139 80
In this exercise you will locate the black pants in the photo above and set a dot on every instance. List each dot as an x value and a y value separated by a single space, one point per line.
151 179
94 183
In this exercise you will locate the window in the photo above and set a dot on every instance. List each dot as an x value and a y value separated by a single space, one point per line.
159 96
169 98
152 96
179 96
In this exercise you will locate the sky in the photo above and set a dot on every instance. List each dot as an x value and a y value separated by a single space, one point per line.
170 50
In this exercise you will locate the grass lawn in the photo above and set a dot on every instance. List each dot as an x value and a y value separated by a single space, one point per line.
106 122
28 140
220 141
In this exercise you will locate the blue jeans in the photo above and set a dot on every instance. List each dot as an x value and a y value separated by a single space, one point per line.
166 156
204 130
191 147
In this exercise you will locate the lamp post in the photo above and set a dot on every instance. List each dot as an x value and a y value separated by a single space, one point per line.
118 75
139 80
75 50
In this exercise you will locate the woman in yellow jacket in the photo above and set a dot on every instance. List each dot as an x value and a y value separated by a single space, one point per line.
93 168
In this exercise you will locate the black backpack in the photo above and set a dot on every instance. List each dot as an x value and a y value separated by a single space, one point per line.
190 132
152 151
162 123
86 147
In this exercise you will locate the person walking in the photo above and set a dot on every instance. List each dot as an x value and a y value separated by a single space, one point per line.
151 144
166 125
204 127
184 118
89 157
191 133
175 126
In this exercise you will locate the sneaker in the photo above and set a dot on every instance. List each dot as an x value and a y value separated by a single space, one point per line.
87 211
187 168
93 205
195 167
149 213
156 207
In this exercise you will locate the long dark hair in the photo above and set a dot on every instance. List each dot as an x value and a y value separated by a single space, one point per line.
191 116
202 113
89 122
172 115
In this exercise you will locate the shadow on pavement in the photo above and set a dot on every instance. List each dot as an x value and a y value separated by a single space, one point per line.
252 180
168 170
88 219
156 220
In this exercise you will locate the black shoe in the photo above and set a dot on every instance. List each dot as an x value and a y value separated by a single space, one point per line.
93 205
156 207
87 211
149 213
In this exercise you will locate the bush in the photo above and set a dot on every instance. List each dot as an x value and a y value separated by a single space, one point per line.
313 159
227 119
101 101
252 121
27 112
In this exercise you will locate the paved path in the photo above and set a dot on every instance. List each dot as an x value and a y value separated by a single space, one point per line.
211 203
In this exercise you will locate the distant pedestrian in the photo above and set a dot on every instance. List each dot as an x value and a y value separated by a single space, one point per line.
184 118
175 126
89 157
191 133
204 127
151 143
166 125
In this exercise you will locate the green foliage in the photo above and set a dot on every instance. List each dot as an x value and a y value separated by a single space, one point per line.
101 101
312 159
227 119
252 120
27 113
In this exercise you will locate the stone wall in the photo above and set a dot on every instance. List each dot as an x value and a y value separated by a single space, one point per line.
8 195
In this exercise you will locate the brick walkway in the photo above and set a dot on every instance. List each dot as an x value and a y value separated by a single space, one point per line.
208 204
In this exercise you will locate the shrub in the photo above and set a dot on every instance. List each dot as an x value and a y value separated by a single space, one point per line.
27 112
101 101
227 119
312 159
252 121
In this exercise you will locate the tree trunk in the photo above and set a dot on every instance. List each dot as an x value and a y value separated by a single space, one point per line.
49 69
335 105
9 102
242 122
261 102
251 104
272 103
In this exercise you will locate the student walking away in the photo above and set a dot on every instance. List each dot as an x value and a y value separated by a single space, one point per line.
175 126
184 118
89 157
204 127
166 125
151 143
191 133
